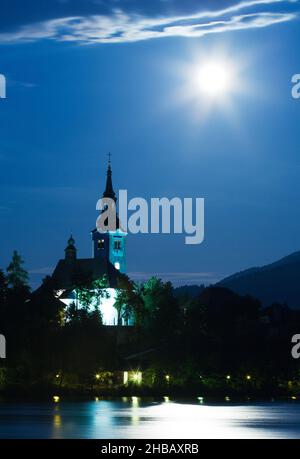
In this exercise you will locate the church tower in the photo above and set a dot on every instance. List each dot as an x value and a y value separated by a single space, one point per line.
70 251
110 245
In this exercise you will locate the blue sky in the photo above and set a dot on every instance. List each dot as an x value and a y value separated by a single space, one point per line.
88 77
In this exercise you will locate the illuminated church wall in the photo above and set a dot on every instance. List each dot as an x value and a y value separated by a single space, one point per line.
109 313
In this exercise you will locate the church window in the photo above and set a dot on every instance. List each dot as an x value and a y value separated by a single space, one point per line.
117 245
101 244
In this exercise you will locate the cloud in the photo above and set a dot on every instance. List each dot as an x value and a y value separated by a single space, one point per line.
120 26
178 278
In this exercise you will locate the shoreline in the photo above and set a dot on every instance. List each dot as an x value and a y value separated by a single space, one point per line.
57 396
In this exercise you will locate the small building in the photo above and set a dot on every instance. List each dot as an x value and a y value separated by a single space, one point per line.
108 262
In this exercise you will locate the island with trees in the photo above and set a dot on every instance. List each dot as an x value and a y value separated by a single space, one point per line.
214 343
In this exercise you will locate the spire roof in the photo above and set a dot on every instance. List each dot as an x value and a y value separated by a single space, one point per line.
109 191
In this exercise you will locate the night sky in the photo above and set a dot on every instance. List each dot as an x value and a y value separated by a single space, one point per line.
89 77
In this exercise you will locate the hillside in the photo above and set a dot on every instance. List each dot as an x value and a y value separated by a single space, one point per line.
276 282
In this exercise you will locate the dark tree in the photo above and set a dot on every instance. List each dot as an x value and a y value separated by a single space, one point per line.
17 276
3 289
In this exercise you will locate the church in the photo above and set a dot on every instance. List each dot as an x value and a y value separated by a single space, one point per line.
108 262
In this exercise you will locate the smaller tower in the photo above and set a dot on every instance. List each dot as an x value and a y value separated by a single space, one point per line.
70 251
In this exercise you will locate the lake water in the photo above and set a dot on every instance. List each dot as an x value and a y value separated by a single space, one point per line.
134 418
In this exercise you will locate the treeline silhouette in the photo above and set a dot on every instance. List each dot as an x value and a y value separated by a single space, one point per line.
214 343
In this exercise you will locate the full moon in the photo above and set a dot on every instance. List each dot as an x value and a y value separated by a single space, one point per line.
210 82
214 79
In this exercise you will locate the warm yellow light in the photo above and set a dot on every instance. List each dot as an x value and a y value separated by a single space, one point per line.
57 376
57 421
56 398
137 377
125 377
168 378
248 377
97 376
228 377
166 399
135 401
293 397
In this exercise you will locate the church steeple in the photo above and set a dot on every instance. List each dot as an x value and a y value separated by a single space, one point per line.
111 244
109 191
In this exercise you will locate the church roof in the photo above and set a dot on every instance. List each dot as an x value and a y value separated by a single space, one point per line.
109 191
82 271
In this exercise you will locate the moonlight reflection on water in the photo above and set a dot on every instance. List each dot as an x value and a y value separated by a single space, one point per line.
137 418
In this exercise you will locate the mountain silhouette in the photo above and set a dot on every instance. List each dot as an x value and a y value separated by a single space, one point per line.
278 282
